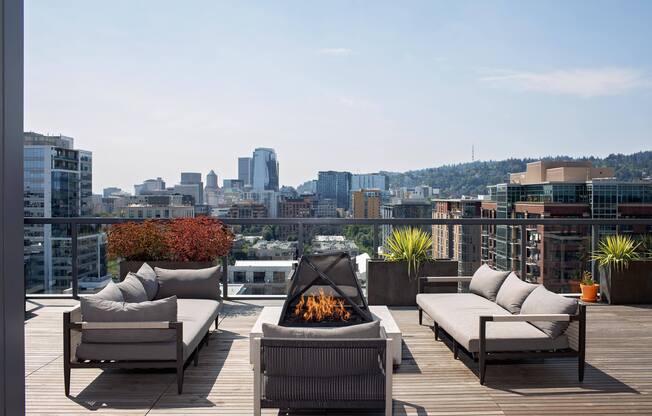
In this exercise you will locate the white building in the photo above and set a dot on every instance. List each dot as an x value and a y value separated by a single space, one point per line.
260 277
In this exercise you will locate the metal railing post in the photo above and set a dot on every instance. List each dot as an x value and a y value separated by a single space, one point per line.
74 271
523 251
376 243
300 239
225 276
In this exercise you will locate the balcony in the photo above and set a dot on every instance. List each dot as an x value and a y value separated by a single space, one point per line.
429 380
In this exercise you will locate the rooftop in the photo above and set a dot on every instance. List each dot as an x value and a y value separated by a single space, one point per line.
428 382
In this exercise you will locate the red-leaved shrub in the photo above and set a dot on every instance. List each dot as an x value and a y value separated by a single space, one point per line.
180 239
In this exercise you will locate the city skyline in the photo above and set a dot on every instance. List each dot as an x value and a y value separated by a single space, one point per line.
329 90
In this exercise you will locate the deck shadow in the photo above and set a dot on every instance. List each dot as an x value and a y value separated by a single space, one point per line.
114 389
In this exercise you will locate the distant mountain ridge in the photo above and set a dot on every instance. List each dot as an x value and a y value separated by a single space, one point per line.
473 178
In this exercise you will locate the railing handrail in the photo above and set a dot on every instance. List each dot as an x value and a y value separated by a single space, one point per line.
358 221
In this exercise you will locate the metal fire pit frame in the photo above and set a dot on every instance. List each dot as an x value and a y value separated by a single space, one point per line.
305 261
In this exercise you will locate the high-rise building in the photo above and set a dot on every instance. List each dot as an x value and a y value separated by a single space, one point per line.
325 208
308 187
245 167
457 242
211 180
233 184
247 210
336 186
57 183
366 203
370 181
265 170
268 198
300 207
192 185
149 186
405 208
107 192
557 254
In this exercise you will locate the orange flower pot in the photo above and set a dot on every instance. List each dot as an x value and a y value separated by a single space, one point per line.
589 292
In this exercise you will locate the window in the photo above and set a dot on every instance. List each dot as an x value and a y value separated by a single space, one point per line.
239 277
279 277
259 277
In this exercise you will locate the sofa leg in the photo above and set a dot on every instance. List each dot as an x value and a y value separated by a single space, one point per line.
195 359
217 322
436 332
483 370
66 379
180 378
420 317
456 350
580 368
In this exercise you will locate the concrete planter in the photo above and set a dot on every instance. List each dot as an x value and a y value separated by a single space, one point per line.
388 282
630 286
133 266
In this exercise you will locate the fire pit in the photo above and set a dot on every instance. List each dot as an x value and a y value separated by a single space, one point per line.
325 291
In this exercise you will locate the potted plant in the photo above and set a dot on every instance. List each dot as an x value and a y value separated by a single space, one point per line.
393 281
625 273
180 243
589 288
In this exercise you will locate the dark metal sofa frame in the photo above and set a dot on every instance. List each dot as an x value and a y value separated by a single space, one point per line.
576 333
73 328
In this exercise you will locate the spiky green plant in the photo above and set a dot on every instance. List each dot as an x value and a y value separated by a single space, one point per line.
409 244
617 251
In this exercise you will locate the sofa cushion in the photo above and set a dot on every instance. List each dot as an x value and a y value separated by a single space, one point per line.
459 315
513 292
197 316
94 309
110 292
543 301
132 289
147 277
189 283
366 330
486 282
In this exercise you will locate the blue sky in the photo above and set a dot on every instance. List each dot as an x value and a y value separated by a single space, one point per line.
157 87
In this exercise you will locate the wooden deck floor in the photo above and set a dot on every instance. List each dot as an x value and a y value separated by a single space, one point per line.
429 382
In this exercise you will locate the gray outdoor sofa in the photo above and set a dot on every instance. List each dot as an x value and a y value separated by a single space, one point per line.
504 318
152 319
323 368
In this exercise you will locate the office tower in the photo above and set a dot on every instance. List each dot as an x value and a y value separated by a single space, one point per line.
557 254
336 186
211 180
58 183
366 203
149 186
370 181
325 208
191 185
308 187
404 208
245 167
458 242
233 184
107 192
265 170
267 198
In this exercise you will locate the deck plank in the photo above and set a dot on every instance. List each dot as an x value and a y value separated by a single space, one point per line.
429 382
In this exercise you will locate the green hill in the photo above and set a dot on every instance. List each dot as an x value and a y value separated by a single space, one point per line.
473 178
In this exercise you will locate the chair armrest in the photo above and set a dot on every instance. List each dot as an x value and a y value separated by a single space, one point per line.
125 325
559 317
446 279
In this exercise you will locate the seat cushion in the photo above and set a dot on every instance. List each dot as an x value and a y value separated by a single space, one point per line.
100 310
486 282
543 301
189 283
132 289
147 277
513 293
364 331
110 292
365 390
459 315
197 316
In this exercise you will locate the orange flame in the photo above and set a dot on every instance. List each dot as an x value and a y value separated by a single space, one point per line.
318 308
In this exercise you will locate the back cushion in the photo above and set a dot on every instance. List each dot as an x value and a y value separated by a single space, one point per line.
188 283
110 292
366 330
513 293
486 282
132 289
543 301
147 277
94 309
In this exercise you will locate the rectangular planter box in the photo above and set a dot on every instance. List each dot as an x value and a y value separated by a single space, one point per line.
630 286
388 282
133 266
